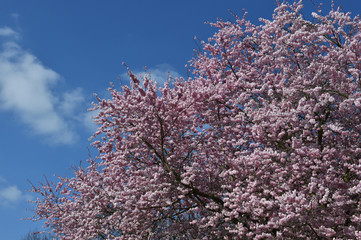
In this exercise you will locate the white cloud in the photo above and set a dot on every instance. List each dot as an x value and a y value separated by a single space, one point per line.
10 194
88 120
25 89
159 73
69 105
71 101
8 32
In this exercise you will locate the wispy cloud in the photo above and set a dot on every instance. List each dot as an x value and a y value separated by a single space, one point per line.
2 180
10 195
159 73
71 101
8 32
15 16
88 120
26 89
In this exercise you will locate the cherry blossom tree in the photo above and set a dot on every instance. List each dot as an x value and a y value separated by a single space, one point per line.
263 142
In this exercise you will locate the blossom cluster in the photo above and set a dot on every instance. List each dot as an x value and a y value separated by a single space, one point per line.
263 142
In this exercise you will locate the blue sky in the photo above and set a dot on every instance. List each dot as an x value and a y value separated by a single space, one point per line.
55 54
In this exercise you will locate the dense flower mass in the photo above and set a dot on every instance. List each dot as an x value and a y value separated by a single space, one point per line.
263 142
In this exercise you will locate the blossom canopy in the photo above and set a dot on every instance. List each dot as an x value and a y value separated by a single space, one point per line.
262 142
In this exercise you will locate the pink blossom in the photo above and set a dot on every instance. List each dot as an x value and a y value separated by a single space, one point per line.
263 142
